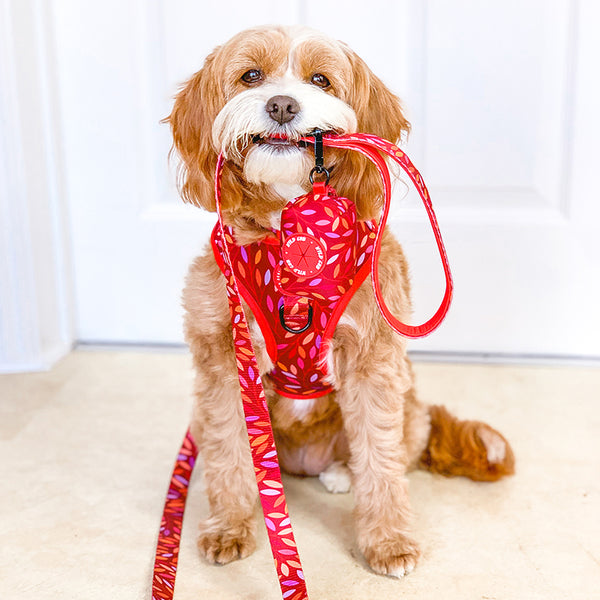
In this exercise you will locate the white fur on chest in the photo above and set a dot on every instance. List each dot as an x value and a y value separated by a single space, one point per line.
302 408
289 191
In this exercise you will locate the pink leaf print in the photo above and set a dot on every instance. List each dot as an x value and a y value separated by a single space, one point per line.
270 524
269 464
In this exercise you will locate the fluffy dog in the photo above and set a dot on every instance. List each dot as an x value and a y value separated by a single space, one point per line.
253 99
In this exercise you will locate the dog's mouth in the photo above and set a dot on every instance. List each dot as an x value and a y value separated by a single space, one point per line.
281 141
276 141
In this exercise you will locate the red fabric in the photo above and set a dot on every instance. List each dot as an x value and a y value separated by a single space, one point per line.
373 147
169 536
319 258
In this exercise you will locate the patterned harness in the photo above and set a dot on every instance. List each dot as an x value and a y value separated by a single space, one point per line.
298 281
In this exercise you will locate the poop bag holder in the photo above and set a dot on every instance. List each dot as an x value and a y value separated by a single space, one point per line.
319 239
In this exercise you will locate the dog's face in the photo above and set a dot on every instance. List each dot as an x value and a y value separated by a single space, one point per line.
257 95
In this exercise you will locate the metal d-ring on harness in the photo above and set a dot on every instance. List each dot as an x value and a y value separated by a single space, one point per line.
321 170
288 328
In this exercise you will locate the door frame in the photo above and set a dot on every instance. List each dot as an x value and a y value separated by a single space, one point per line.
36 298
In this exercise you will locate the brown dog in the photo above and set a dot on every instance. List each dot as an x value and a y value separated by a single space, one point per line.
253 99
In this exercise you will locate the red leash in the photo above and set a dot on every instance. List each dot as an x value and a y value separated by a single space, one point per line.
258 423
169 535
371 146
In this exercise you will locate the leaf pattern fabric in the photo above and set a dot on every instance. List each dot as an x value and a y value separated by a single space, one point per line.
267 282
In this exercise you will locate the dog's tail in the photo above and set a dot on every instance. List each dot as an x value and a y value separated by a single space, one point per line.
469 448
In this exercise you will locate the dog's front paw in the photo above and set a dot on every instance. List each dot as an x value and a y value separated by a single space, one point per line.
223 545
395 558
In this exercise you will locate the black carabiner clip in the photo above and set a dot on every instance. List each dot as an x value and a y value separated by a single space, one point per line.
318 168
318 135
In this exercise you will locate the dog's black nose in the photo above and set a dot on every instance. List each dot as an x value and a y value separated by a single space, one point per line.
282 108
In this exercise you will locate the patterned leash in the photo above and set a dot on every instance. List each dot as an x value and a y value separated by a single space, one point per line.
169 535
258 422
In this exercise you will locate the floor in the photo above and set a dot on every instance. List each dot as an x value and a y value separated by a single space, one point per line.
86 452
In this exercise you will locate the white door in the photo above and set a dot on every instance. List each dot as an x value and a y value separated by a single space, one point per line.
503 101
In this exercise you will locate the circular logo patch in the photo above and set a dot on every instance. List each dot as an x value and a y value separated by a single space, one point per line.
303 255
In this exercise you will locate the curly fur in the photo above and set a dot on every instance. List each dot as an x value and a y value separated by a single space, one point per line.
373 421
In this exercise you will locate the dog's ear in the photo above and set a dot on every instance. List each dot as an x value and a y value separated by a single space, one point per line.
378 111
191 120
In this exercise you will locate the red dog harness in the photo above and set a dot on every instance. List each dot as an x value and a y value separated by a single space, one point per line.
298 281
307 274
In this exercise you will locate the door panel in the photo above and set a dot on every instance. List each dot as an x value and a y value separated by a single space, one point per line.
497 97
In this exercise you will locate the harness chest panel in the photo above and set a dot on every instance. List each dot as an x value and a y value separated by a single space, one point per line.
332 275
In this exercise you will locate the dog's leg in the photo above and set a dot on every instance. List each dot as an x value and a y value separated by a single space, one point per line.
219 427
372 402
218 424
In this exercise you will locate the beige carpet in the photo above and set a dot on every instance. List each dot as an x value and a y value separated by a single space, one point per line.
86 451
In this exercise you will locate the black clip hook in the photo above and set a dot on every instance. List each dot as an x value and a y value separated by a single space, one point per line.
318 135
318 168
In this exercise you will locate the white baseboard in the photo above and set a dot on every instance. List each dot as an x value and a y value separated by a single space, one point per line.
417 356
496 358
42 362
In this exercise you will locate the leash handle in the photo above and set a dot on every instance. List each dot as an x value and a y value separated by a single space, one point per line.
373 147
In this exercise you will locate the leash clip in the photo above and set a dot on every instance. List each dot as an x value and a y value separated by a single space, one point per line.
318 168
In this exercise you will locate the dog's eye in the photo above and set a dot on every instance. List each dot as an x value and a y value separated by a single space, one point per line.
252 76
320 80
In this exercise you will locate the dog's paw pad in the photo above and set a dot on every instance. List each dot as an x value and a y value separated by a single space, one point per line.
336 478
394 558
222 548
